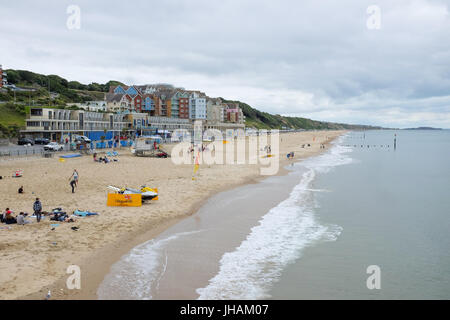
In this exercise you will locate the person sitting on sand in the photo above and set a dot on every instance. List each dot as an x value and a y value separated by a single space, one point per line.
10 219
95 157
20 190
5 215
21 219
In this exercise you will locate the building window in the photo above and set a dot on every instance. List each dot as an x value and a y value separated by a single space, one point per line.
36 112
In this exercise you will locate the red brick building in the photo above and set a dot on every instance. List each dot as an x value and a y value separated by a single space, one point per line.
183 108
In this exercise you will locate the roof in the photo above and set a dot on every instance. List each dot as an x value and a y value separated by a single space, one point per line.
113 97
165 94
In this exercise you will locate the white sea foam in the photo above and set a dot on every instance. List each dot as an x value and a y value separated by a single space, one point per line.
250 271
137 274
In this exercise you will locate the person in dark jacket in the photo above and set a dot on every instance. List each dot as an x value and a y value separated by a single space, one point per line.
73 184
10 219
37 207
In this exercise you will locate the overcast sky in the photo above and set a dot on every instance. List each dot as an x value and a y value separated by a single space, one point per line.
316 59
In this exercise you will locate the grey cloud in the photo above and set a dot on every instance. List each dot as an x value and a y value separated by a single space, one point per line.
289 57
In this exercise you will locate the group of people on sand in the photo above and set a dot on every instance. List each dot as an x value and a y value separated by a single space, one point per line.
8 217
200 148
101 159
59 215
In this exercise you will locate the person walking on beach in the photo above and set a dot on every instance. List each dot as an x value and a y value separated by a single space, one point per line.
37 207
74 177
73 184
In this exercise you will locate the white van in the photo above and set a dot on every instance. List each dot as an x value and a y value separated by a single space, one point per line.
82 139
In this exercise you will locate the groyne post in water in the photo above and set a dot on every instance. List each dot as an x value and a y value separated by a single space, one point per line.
395 141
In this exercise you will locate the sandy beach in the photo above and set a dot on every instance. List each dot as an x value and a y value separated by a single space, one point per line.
36 257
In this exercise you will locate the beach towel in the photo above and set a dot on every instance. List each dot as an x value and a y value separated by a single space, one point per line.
68 156
84 213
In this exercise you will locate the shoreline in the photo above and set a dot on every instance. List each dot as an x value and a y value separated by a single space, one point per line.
97 264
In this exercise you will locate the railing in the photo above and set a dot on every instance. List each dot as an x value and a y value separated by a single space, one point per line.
24 152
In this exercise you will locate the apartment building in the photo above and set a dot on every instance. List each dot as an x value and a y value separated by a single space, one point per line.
116 103
234 114
59 124
215 111
62 124
165 101
179 105
197 105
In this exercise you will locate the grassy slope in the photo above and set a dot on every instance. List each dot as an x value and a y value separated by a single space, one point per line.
263 120
10 117
10 121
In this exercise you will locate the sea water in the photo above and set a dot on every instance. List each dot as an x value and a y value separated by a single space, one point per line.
313 233
394 210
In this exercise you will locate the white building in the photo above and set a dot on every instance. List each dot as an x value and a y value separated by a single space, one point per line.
95 106
118 103
197 106
3 80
